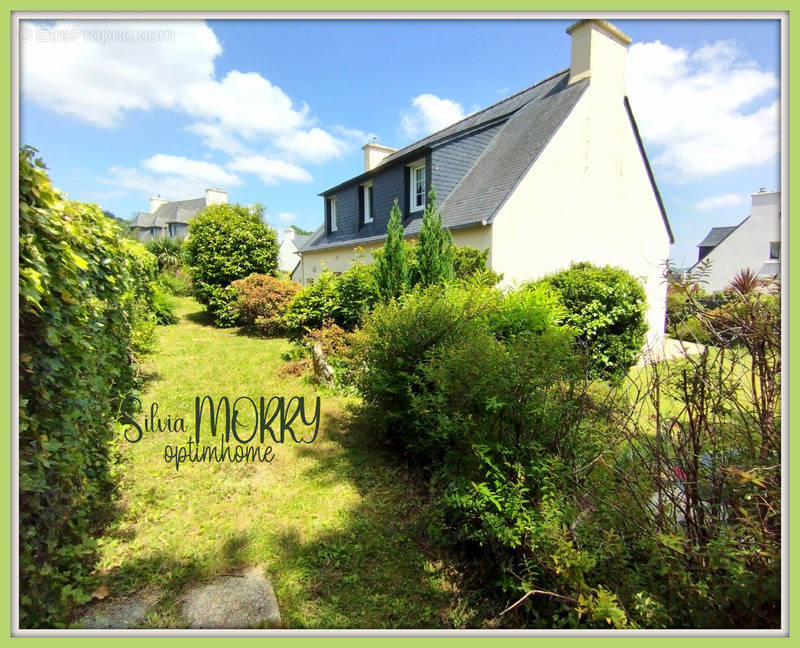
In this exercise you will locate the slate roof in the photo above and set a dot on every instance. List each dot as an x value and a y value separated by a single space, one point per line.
529 119
180 211
716 236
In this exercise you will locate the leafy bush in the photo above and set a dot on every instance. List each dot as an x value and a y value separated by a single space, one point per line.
226 243
471 264
168 251
83 306
523 312
263 300
223 305
163 305
395 338
608 310
313 307
356 295
342 299
175 282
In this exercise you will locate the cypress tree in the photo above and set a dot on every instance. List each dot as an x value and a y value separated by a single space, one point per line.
391 266
435 251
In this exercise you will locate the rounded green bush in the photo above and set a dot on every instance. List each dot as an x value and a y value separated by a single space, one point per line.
607 308
226 243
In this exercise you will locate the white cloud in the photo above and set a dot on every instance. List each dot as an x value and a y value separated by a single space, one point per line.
695 107
170 187
66 67
270 171
315 145
215 137
244 103
724 200
208 172
429 114
286 217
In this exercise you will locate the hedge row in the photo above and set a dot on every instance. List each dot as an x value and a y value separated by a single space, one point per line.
84 315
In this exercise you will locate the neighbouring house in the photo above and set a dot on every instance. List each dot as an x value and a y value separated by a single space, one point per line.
755 243
553 174
171 219
289 240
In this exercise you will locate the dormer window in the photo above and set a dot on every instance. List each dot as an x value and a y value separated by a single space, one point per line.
332 214
367 202
417 186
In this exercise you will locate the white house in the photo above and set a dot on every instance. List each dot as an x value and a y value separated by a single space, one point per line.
755 243
171 219
553 174
288 242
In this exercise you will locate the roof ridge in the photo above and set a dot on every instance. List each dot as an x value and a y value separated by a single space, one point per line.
482 110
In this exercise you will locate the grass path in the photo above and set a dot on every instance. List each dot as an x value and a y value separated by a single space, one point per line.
339 529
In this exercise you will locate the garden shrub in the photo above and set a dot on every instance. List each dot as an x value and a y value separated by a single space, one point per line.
396 336
169 252
356 295
163 305
607 308
519 312
342 299
82 287
262 300
434 254
176 282
313 307
226 243
471 264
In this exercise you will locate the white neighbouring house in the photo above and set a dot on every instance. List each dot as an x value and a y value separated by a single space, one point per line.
288 243
753 244
553 174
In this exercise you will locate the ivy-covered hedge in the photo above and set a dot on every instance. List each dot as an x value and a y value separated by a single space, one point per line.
83 319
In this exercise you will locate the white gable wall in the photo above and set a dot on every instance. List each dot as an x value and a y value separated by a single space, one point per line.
587 197
748 245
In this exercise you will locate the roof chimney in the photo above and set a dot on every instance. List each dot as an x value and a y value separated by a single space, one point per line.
156 202
374 154
216 196
599 50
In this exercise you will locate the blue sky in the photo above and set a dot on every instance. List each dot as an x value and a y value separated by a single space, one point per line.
276 111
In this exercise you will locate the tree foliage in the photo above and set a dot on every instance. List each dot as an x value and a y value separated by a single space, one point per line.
226 243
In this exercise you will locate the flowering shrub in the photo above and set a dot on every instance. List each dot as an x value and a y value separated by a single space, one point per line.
262 300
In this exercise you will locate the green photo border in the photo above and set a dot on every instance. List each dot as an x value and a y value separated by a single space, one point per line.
600 9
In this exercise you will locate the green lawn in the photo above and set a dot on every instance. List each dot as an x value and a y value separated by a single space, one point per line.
339 529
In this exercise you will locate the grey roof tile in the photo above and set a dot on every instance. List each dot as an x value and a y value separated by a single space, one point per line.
716 236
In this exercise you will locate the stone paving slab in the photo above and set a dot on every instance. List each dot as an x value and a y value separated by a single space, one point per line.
126 612
244 600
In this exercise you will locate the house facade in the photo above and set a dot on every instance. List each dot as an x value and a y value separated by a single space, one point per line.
171 219
755 243
553 174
